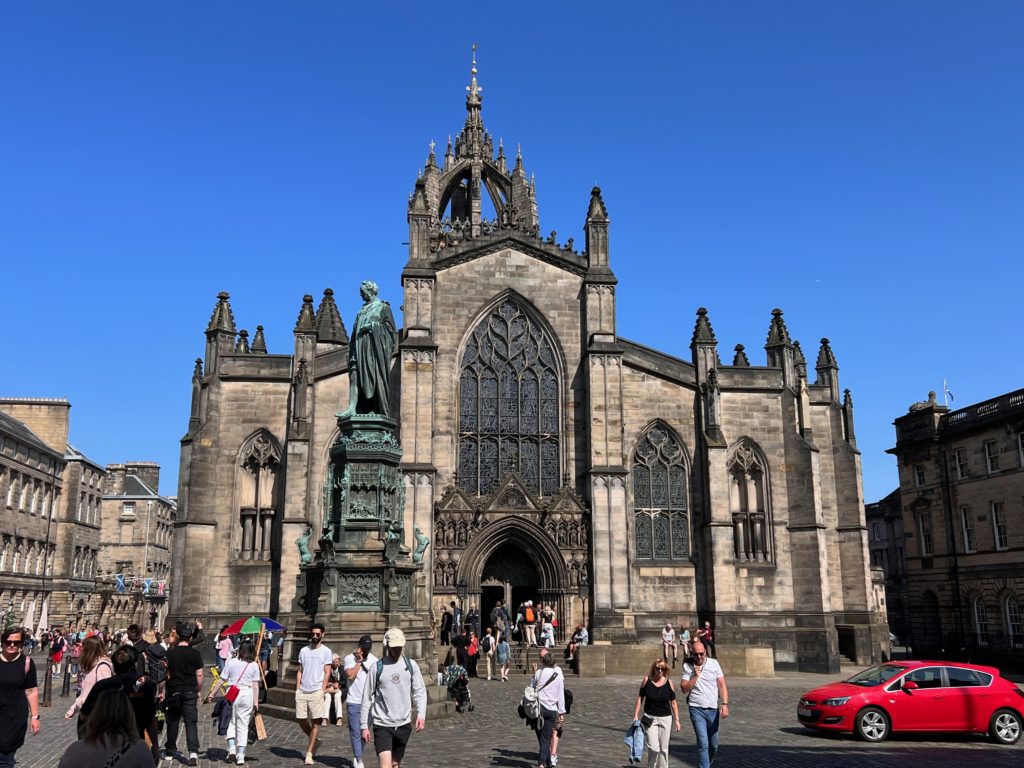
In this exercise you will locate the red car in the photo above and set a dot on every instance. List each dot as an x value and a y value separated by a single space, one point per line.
917 696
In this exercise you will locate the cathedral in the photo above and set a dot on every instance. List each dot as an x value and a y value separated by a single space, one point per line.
543 456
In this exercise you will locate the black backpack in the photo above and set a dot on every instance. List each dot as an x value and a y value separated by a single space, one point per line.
156 662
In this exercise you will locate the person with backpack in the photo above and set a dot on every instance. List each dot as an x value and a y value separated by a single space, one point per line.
549 684
530 623
488 650
19 695
392 686
139 689
155 658
97 666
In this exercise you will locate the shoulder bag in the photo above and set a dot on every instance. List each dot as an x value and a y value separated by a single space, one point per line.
233 690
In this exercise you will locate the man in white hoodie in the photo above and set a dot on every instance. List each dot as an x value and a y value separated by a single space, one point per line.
391 685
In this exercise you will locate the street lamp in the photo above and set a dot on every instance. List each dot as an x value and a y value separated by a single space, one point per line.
461 591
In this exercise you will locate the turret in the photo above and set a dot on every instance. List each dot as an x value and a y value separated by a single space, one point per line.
596 230
259 342
329 327
704 346
740 360
220 333
828 370
780 349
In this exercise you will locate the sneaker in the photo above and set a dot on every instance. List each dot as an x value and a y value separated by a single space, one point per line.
309 759
240 760
193 759
554 761
231 756
358 764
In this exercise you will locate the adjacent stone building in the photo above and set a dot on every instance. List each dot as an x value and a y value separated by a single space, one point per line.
544 456
138 529
886 546
962 496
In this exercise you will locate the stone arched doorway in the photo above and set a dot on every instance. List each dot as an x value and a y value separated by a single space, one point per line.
509 575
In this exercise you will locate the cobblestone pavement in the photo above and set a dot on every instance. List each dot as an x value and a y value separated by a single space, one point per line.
762 731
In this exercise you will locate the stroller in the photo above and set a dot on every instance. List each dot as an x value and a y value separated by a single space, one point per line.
457 681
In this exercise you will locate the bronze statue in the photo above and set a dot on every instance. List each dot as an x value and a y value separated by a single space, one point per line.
422 542
369 354
305 556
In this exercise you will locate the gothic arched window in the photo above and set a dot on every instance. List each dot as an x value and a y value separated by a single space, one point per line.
749 503
259 469
509 397
661 521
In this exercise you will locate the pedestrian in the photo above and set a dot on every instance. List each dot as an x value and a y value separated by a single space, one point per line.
310 686
504 655
707 637
549 682
223 643
456 617
487 649
473 653
446 626
57 648
657 702
264 651
392 685
708 698
668 641
141 693
473 619
97 666
461 645
110 738
75 658
357 665
19 695
335 693
244 673
530 623
547 632
155 657
184 682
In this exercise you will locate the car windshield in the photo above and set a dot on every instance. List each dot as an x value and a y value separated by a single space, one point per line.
879 675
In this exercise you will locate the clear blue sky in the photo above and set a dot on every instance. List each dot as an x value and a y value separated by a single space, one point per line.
858 164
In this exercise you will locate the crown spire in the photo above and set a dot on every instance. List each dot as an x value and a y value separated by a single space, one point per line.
474 88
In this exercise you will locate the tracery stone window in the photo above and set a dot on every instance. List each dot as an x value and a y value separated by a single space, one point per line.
749 503
260 467
509 404
661 521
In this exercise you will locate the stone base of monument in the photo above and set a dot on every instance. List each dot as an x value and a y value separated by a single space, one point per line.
362 580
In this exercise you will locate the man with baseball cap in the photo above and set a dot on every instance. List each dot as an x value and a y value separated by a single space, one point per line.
358 666
391 685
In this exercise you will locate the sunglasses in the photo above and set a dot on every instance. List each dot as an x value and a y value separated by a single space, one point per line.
700 654
14 643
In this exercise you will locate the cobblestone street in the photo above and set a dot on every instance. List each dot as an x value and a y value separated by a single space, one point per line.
763 731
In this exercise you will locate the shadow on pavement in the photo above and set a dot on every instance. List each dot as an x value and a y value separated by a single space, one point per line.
510 759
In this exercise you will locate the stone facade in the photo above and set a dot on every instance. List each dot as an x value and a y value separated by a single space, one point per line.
961 490
544 456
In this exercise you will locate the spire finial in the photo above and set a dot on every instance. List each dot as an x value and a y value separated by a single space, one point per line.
473 88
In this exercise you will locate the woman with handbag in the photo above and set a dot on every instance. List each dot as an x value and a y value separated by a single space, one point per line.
96 666
242 677
657 700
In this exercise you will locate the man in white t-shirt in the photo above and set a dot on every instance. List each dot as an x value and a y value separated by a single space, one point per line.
668 640
357 665
703 684
310 684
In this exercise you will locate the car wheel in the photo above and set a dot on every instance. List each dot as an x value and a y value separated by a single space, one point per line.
871 724
1005 726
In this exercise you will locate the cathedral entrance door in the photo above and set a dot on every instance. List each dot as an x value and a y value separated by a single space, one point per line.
510 575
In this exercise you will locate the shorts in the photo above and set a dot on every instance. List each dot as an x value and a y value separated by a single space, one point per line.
309 705
392 740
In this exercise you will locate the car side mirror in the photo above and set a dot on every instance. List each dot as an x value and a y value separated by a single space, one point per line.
909 685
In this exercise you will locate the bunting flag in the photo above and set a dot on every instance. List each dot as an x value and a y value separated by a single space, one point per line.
160 587
146 584
119 583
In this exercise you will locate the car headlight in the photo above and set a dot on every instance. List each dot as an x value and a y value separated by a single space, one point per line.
837 702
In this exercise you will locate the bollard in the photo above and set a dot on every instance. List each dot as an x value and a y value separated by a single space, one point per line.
65 688
47 678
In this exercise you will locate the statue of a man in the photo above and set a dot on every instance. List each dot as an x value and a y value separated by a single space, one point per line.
369 354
